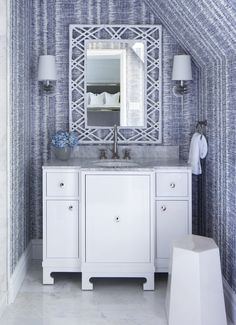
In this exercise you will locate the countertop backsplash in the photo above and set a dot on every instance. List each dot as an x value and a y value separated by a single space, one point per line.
136 151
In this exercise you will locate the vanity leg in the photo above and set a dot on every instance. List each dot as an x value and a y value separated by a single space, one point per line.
86 284
150 283
47 279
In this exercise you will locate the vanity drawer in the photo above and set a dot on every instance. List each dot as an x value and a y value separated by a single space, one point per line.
172 184
63 184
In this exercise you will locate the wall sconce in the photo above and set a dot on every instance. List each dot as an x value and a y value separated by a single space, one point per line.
47 73
182 71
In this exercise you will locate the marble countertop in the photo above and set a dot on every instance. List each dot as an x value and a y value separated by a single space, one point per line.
141 163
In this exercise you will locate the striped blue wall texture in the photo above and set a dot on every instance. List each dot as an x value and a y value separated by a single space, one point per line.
48 32
20 129
206 29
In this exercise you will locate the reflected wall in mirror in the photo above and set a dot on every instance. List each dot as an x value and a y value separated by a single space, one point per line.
115 71
115 83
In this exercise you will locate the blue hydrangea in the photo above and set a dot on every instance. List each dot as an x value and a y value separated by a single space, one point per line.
62 139
73 139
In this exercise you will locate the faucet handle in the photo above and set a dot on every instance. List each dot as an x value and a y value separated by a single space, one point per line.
127 154
103 154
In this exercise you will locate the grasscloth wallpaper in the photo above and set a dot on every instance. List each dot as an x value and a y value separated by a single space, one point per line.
20 129
42 26
207 30
204 29
50 32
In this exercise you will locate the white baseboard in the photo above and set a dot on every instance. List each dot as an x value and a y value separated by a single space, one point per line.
19 274
230 302
32 252
3 303
37 249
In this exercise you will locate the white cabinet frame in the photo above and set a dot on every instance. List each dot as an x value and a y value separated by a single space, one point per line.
78 264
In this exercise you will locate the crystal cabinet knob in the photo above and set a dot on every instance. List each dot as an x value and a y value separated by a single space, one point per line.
117 219
71 207
172 185
163 208
62 184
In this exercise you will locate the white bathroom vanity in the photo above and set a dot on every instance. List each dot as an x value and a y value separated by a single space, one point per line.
113 221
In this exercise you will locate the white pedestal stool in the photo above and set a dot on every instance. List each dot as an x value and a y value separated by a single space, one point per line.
194 290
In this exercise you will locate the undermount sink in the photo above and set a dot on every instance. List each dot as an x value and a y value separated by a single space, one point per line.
115 163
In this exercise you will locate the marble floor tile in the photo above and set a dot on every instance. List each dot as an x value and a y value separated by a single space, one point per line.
113 302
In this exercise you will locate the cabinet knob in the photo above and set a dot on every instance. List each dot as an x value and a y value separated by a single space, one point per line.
172 185
163 208
62 184
117 219
71 207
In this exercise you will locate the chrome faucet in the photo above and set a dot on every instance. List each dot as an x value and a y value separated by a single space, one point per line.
115 154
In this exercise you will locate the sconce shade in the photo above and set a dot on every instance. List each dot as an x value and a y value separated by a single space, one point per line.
47 68
182 69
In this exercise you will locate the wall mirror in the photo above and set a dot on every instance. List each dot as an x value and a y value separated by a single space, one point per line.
115 78
115 88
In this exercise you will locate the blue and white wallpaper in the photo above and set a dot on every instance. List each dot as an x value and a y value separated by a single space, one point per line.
20 98
50 32
207 30
40 27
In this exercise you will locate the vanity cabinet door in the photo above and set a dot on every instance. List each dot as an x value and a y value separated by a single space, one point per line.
118 218
171 224
62 229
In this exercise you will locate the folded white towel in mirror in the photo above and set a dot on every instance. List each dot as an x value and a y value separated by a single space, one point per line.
198 150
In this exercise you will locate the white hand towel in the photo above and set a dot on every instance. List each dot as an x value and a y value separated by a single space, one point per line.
198 149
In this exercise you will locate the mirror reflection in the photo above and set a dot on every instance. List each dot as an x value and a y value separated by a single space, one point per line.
115 83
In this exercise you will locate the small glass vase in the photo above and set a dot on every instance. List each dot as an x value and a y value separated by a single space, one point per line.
62 153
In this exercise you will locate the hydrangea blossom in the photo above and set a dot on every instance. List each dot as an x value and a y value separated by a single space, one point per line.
62 139
73 139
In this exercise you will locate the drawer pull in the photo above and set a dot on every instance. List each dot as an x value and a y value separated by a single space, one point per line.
172 185
163 208
71 207
62 185
117 219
